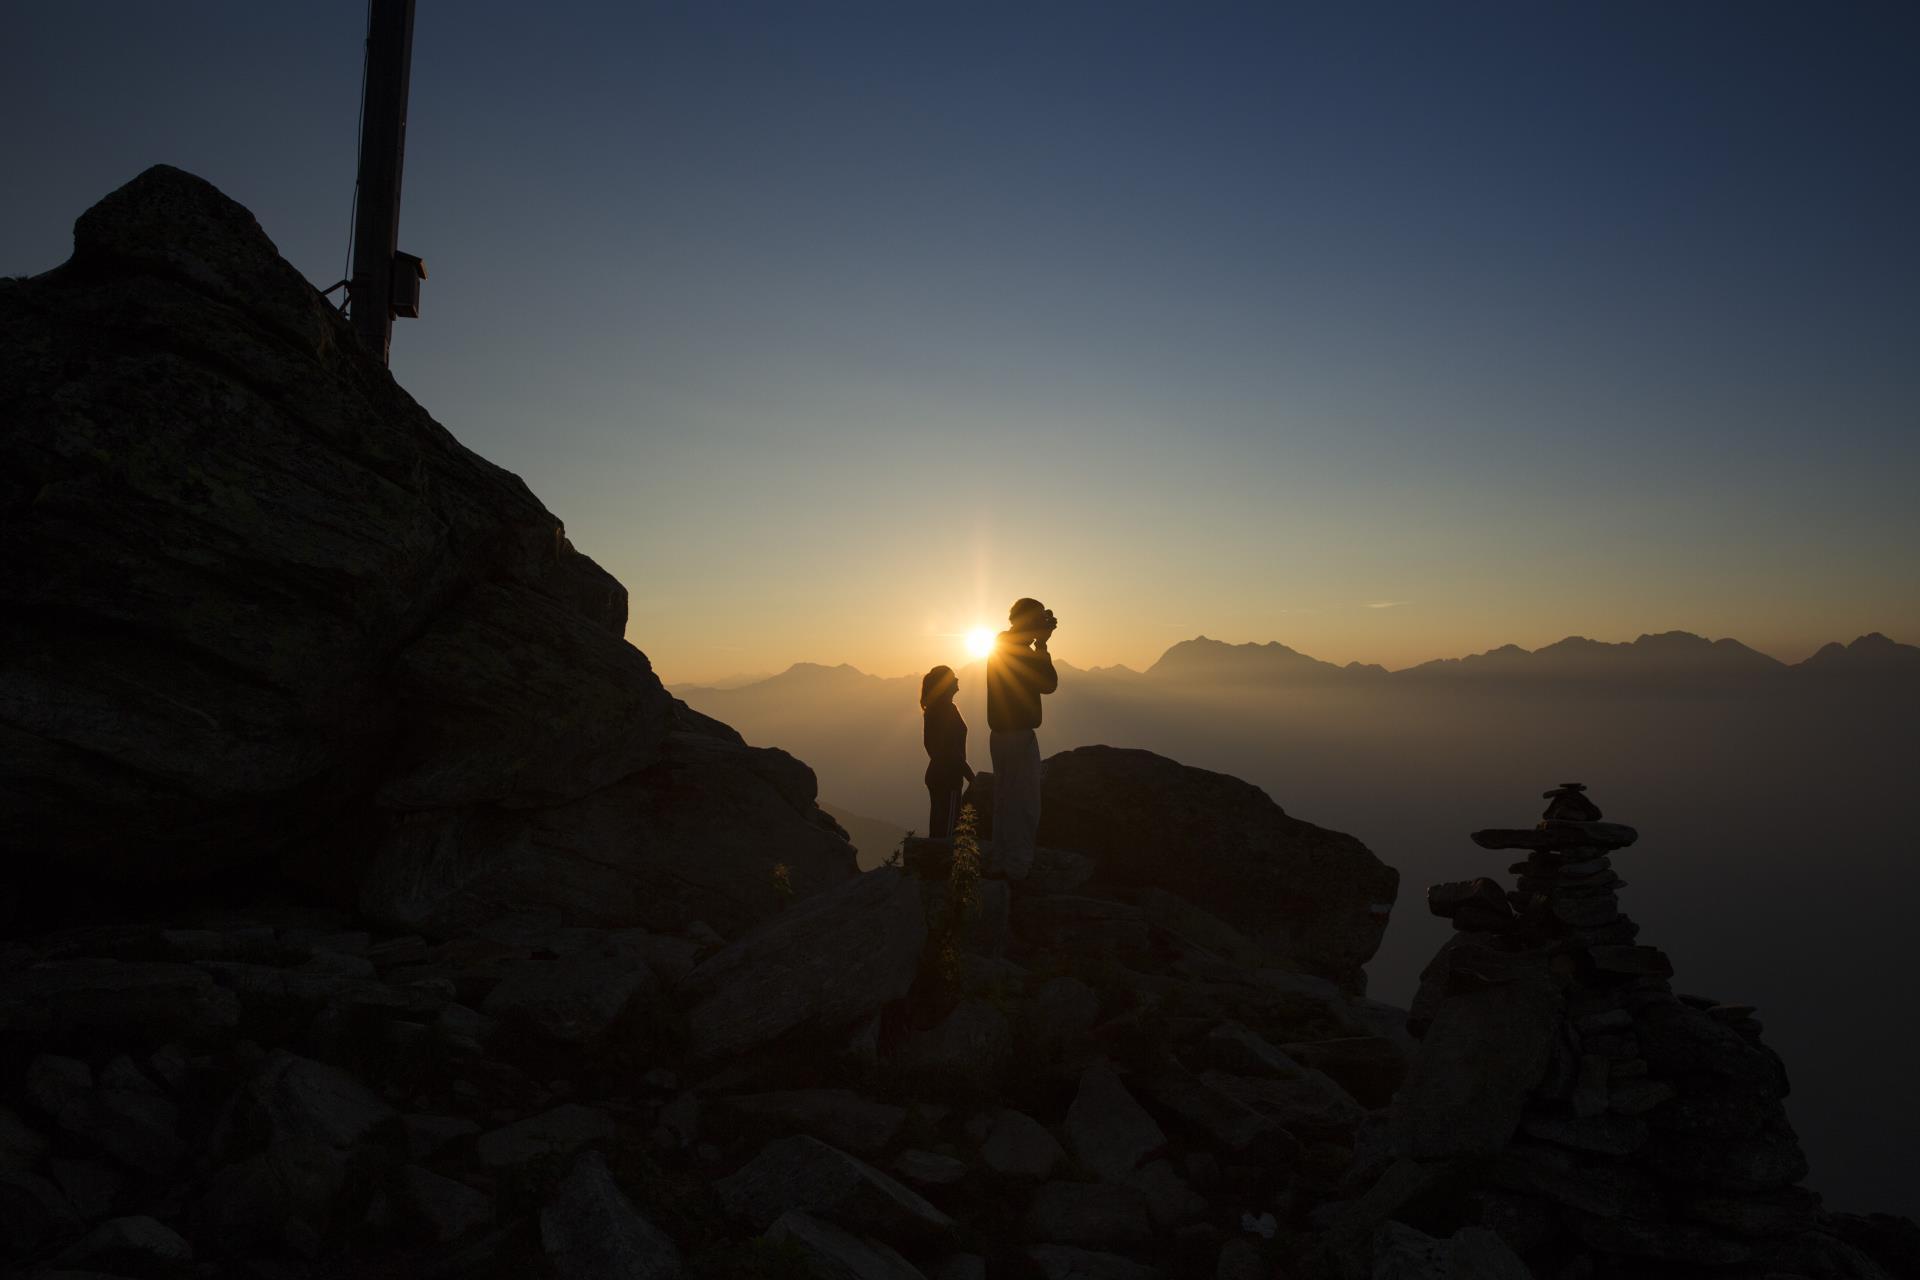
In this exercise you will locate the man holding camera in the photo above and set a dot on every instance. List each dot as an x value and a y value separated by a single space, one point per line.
1019 672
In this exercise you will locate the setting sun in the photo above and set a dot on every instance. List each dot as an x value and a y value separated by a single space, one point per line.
979 642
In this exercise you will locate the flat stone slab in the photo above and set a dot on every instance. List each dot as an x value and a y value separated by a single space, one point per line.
1556 836
1622 962
826 962
806 1174
838 1117
1485 1052
591 1231
1110 1133
1064 1262
561 1131
575 999
840 1255
930 1168
1096 1214
1445 900
1018 1146
1609 1135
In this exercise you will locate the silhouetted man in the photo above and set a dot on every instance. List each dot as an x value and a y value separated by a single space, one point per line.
1019 671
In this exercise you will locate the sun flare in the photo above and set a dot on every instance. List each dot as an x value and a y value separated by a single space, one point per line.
979 642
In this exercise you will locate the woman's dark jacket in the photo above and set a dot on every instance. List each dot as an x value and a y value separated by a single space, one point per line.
945 735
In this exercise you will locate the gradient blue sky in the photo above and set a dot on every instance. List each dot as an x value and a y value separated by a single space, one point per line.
831 328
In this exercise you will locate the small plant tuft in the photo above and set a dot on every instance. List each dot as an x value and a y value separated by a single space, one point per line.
962 893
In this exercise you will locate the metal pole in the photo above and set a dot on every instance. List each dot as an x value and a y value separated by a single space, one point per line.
383 139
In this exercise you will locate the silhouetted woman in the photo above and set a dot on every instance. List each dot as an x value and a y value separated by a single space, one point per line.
945 735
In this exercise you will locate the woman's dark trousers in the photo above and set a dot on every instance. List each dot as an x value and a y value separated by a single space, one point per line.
943 810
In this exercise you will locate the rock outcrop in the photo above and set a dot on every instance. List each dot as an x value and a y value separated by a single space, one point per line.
1564 1098
826 963
1316 896
261 610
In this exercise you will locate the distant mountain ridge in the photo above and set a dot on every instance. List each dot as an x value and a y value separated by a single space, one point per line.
1761 785
1662 657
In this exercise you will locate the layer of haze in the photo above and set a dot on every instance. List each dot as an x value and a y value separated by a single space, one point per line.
829 329
1775 865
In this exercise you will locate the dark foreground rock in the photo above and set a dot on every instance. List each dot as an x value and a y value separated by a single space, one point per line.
591 1231
825 963
805 1173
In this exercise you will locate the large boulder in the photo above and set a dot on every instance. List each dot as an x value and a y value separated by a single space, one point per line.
1403 1253
1314 895
838 1117
1111 1134
833 1254
1089 1213
591 1231
1066 1262
714 830
807 1174
136 1243
1479 1062
443 1207
974 1043
826 962
121 1112
559 1132
288 1136
574 999
260 609
292 1099
1018 1146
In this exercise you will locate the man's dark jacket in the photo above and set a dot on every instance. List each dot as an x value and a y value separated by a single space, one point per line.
1017 674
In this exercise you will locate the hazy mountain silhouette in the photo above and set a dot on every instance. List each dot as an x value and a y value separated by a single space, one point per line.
1201 659
1870 655
1774 852
1668 656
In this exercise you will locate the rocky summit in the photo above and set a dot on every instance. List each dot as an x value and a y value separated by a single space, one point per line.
262 612
372 911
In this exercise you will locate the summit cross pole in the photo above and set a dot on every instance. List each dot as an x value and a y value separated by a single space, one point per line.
384 283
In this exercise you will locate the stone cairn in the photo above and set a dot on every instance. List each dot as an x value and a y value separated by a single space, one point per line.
1567 894
1566 1098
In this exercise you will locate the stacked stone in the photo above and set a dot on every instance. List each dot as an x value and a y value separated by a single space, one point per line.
1567 890
1654 1140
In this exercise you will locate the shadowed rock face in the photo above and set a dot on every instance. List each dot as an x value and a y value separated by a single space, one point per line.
1317 896
830 960
261 609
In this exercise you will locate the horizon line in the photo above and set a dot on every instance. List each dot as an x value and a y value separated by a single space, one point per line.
745 679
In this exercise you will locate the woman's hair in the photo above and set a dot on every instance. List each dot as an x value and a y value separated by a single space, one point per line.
937 685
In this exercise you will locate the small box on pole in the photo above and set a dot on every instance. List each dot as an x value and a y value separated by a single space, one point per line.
403 298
